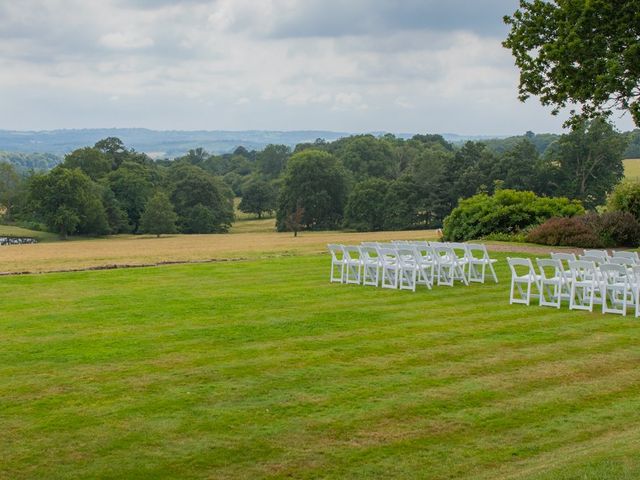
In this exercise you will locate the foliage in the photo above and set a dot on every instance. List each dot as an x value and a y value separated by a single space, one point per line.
401 205
91 161
314 181
625 197
132 184
507 211
24 162
193 190
366 207
588 161
159 216
567 231
611 229
10 187
578 52
258 197
68 202
272 161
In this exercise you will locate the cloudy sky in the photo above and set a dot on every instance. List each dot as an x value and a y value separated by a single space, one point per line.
347 65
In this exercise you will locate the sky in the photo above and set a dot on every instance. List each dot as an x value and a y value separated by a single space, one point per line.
415 66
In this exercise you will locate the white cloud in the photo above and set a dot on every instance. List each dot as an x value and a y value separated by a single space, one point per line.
267 64
125 40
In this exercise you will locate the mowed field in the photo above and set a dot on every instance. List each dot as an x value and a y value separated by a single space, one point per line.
252 239
261 368
632 168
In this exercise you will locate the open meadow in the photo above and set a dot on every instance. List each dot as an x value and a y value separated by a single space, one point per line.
261 368
632 168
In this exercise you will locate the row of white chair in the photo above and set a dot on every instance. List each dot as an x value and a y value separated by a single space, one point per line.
404 265
612 283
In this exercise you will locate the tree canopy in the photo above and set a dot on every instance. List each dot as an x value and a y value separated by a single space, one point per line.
578 52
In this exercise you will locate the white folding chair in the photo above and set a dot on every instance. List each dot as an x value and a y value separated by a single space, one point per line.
448 266
389 267
479 263
425 263
338 262
370 265
408 269
602 254
523 279
554 285
585 285
635 287
616 288
631 256
353 264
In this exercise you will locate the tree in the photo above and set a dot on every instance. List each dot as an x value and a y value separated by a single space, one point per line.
91 161
272 161
315 182
589 161
132 184
366 206
401 205
10 186
114 149
158 216
258 197
366 156
193 188
68 202
584 52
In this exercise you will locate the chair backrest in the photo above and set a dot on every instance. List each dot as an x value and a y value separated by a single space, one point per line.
632 256
352 252
614 274
603 254
550 268
337 251
479 248
368 253
388 256
461 250
598 260
635 276
521 267
369 244
627 262
406 256
583 270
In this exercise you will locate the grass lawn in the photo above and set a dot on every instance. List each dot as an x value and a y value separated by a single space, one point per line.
12 231
262 369
632 168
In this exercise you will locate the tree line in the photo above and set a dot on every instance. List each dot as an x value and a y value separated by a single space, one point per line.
360 182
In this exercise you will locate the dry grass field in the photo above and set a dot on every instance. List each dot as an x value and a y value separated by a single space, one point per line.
632 168
125 250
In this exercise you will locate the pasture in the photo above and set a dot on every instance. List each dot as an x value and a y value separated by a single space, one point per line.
260 368
632 168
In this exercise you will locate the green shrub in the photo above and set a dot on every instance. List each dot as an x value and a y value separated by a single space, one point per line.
507 211
625 197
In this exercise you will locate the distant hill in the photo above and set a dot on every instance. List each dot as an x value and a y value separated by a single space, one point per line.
173 143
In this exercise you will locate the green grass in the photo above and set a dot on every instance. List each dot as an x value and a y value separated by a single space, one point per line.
262 369
13 231
632 168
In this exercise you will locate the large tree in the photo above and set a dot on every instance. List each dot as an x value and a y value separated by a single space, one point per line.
68 202
588 161
203 202
578 52
258 197
314 182
158 216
